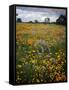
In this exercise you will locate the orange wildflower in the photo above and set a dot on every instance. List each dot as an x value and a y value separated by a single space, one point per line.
30 41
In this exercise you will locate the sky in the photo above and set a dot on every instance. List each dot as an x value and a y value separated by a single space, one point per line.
33 13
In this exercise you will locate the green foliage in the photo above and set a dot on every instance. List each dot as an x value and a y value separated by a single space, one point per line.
41 60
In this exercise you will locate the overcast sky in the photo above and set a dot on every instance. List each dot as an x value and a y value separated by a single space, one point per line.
33 13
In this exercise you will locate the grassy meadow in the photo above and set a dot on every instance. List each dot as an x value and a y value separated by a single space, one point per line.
40 53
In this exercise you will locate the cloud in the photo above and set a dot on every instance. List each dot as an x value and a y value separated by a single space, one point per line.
31 14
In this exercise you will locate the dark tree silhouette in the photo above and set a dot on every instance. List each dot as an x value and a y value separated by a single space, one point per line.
30 22
36 21
62 20
47 20
19 20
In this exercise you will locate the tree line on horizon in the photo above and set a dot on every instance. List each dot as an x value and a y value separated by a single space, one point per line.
62 20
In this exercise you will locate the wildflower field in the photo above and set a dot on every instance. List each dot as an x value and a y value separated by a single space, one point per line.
40 53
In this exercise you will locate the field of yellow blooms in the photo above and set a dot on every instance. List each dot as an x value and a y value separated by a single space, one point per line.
40 53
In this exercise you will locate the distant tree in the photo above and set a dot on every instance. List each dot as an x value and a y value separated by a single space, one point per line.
47 20
62 20
36 21
19 20
30 22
